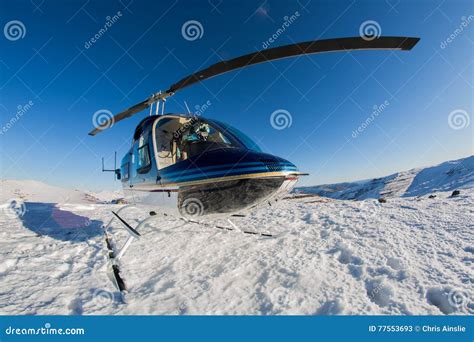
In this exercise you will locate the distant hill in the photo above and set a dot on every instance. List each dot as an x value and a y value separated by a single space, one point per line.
35 191
448 176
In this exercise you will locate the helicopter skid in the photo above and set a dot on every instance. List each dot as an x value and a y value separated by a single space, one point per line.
115 254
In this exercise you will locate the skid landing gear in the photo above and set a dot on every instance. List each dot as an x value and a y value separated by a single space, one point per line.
233 227
113 256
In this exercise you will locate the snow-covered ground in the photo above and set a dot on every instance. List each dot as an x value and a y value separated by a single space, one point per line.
34 191
407 256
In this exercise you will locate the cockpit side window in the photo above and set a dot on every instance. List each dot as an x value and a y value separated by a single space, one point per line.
125 171
143 151
163 139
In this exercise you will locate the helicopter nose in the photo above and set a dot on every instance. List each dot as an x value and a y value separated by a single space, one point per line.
230 180
232 161
226 162
277 164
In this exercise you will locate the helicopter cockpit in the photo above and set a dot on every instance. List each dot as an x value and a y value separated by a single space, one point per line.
179 138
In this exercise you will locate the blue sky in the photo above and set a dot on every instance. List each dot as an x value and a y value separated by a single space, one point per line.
328 96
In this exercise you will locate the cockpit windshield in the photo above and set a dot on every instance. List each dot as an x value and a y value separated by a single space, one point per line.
180 138
241 137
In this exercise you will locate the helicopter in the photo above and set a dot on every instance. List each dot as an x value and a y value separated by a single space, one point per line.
192 167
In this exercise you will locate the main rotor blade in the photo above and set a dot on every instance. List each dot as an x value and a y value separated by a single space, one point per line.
306 48
123 115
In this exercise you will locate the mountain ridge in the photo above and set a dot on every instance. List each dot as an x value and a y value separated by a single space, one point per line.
447 176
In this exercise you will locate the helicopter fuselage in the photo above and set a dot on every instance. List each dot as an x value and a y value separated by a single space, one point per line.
198 167
192 167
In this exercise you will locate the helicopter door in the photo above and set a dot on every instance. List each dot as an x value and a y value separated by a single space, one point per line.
141 163
168 131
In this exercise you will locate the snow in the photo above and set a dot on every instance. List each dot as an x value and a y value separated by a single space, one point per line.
447 176
36 191
410 255
108 196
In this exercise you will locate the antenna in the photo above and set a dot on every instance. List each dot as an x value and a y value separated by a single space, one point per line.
115 170
189 112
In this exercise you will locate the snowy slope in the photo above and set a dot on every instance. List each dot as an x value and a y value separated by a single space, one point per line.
406 256
107 196
35 191
448 176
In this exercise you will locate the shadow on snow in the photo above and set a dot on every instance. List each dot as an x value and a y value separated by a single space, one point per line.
47 219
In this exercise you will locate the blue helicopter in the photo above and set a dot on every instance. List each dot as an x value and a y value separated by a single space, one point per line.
194 168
